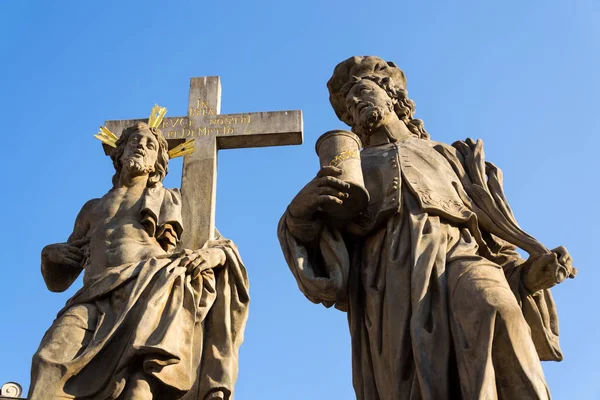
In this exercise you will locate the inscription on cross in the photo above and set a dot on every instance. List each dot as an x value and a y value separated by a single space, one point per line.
213 131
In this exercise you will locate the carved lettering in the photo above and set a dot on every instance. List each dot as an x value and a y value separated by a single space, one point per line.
203 104
175 122
196 112
181 132
187 132
185 128
244 119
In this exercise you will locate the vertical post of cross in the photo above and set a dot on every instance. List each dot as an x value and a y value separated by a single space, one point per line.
212 131
200 168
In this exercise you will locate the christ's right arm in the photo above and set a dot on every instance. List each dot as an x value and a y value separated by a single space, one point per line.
62 262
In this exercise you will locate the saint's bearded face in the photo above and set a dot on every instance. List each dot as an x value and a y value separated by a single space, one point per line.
368 106
140 153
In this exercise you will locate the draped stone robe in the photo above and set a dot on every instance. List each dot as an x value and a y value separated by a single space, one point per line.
148 315
430 279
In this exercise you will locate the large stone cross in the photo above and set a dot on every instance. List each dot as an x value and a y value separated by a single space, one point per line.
213 131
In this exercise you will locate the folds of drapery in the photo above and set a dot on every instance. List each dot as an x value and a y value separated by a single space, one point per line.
321 268
223 326
319 257
185 332
483 183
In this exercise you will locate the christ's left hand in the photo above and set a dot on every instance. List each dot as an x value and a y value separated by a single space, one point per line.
198 260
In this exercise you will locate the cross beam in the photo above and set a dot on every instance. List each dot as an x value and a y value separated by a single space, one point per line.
213 131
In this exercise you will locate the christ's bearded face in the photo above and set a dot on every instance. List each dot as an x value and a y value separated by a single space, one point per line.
140 153
368 106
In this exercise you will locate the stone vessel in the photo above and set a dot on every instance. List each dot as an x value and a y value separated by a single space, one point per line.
341 149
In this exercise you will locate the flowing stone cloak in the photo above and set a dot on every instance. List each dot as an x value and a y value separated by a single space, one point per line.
394 269
184 331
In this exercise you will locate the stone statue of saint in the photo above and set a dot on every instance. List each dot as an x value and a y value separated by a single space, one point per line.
440 305
149 319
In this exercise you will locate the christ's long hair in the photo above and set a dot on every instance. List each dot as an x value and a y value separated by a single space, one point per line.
161 167
404 107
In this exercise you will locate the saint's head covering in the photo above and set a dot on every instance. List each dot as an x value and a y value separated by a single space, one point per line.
355 68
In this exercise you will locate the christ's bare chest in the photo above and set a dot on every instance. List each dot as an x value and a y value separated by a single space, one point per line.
118 206
117 217
117 235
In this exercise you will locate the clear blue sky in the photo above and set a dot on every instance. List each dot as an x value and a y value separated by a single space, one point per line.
521 75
